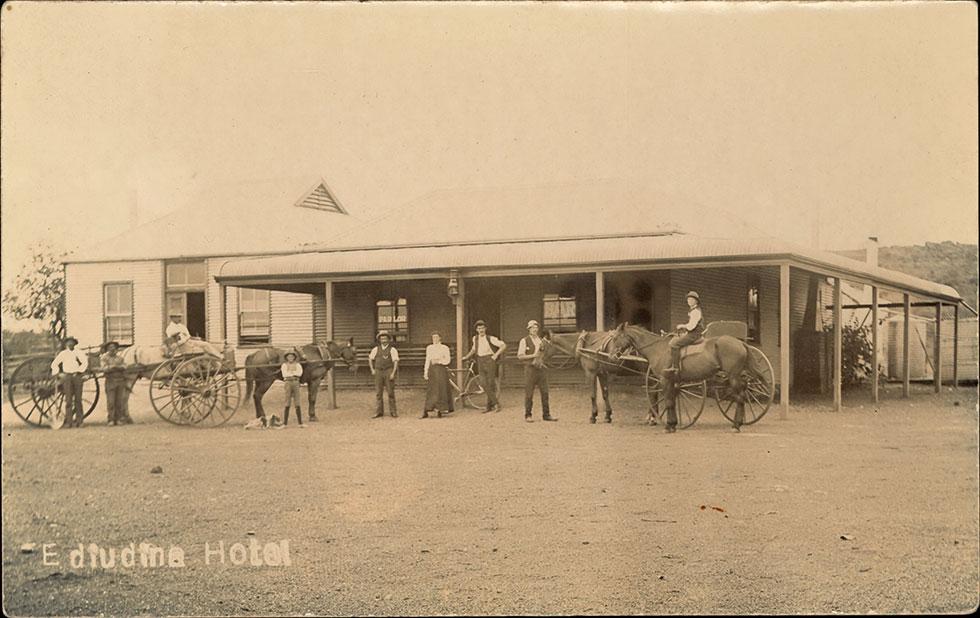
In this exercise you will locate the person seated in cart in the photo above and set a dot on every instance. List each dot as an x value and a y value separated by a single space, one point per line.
688 333
116 385
179 339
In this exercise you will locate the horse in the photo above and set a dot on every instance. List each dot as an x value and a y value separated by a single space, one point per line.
723 357
597 372
262 369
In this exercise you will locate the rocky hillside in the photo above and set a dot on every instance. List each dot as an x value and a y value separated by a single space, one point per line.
952 263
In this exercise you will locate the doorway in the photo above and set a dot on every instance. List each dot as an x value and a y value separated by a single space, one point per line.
191 307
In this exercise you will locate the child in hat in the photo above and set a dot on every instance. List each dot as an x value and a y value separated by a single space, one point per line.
292 371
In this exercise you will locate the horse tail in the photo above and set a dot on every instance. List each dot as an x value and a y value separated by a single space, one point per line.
753 363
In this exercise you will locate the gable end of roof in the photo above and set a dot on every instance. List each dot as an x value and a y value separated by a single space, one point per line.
321 198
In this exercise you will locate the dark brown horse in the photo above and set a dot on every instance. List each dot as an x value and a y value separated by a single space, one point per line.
592 350
722 357
262 369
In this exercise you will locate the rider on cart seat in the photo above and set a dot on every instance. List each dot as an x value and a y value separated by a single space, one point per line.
179 339
687 333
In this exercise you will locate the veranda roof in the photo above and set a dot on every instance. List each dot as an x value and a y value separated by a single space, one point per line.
587 253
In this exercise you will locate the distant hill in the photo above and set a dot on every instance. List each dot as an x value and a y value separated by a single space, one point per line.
951 263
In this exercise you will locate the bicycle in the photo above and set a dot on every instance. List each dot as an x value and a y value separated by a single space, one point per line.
472 394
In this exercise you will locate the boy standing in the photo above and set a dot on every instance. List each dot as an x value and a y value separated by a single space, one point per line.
292 371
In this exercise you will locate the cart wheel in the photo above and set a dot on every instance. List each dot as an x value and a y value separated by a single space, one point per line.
160 395
36 395
759 389
689 400
205 391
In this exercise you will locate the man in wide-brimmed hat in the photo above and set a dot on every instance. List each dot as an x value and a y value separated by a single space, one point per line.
529 352
487 350
116 386
383 361
70 366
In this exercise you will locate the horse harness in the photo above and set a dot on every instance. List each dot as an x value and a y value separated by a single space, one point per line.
599 355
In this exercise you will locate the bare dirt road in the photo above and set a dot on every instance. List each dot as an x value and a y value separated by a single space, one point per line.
859 511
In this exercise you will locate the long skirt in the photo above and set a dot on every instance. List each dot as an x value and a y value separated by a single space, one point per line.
439 394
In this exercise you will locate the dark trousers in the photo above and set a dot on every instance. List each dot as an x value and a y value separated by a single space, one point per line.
71 386
679 342
117 399
293 393
535 376
384 382
487 368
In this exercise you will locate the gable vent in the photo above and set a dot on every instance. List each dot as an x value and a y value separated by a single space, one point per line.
321 198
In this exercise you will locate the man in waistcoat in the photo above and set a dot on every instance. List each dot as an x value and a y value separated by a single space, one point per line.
487 350
383 361
116 384
530 353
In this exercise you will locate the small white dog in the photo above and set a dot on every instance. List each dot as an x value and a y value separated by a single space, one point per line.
262 422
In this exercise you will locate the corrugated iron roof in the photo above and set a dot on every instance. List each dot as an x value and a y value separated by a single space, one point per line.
259 218
586 252
249 218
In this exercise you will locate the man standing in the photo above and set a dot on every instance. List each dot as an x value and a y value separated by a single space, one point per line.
70 366
116 388
383 361
529 352
487 350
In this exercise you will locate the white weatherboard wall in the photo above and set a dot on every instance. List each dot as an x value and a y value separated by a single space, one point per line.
84 299
292 318
214 302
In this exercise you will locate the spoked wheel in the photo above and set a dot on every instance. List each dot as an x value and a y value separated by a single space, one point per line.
205 392
36 395
474 395
760 387
689 401
160 395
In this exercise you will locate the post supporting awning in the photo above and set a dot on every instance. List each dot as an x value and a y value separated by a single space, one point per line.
784 341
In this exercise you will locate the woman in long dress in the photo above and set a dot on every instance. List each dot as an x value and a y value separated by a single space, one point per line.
438 396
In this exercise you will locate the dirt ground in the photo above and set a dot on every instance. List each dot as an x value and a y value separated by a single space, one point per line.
861 511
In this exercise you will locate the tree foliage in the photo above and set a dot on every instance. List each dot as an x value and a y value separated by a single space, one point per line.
856 352
39 291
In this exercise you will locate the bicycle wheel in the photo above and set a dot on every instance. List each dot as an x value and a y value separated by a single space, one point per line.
474 395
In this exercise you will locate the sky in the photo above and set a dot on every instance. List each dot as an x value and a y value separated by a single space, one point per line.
820 123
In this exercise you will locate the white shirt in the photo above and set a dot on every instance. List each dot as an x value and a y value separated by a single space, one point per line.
291 370
693 317
483 348
70 361
180 330
436 354
522 347
374 353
